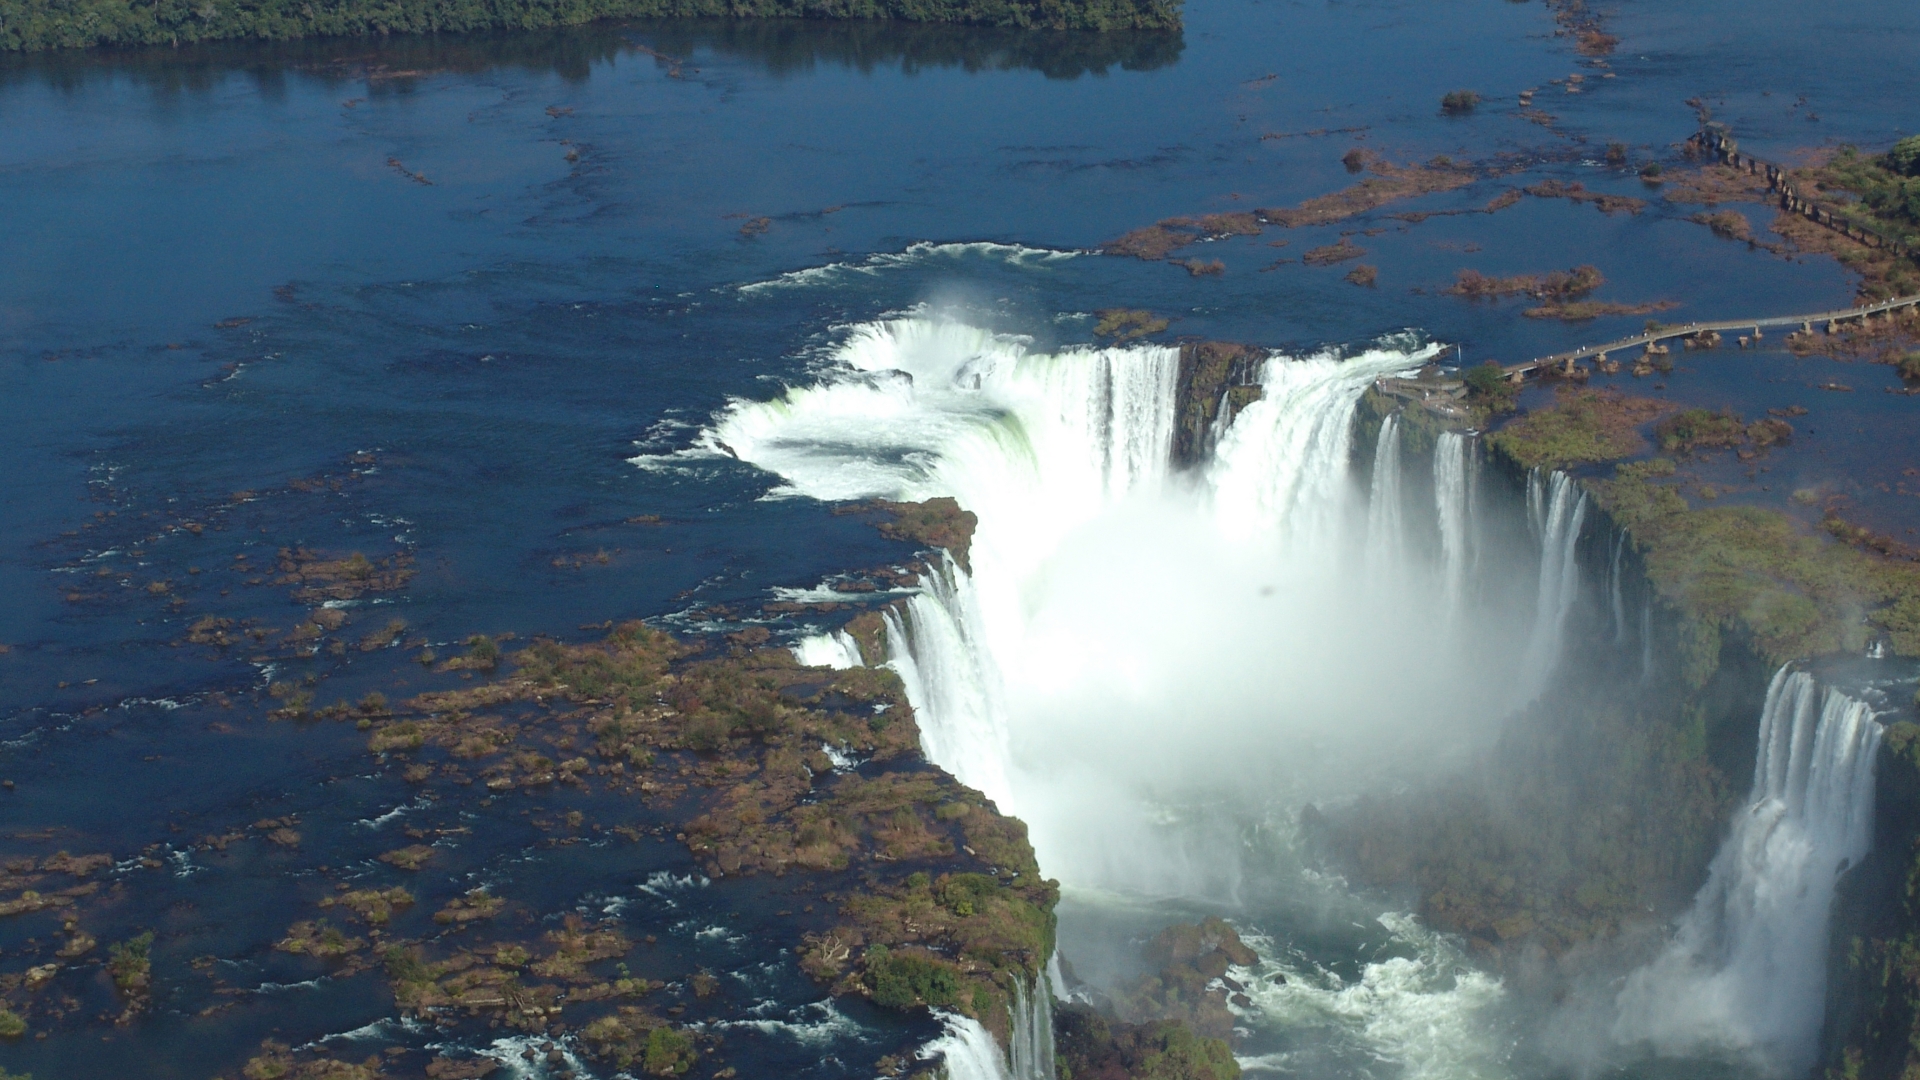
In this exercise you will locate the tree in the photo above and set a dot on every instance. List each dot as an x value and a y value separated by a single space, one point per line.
1904 158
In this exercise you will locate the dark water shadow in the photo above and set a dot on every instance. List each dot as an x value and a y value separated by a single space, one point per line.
780 47
797 46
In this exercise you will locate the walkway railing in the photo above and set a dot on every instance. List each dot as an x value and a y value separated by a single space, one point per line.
1806 323
1714 139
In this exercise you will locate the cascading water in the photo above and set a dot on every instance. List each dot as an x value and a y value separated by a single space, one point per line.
1746 971
937 647
1385 532
1646 639
1453 501
837 650
1619 606
1282 467
1032 1052
967 1050
1557 509
1138 665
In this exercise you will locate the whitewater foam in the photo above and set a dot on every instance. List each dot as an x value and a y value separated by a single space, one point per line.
1429 1012
817 1023
836 650
967 1050
914 255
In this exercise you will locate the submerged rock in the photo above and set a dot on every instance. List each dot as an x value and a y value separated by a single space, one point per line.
1191 985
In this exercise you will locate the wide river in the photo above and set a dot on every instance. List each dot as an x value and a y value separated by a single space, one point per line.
432 300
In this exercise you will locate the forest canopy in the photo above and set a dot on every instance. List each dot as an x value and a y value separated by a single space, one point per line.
37 25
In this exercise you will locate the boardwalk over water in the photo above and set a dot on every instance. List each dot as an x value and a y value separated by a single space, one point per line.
1806 323
1442 393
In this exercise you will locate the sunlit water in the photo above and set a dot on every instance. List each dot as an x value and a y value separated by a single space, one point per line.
573 290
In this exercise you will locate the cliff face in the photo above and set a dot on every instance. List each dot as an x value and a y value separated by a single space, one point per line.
1599 809
1216 378
1604 805
1873 966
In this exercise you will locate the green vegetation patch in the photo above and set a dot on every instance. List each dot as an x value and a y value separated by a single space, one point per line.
1888 194
1702 429
1904 158
1582 426
1799 594
903 980
628 663
1126 324
1489 391
129 964
1558 285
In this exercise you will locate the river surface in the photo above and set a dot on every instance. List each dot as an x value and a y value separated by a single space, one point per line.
432 300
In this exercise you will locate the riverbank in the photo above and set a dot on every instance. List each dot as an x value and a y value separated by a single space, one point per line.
36 25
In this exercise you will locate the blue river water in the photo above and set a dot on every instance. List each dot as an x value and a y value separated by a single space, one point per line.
426 299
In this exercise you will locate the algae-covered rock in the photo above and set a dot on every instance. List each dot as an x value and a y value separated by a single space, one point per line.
277 1061
1095 1047
375 907
316 938
1215 377
937 523
1188 958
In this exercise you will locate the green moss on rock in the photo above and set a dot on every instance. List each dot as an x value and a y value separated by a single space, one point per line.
1799 594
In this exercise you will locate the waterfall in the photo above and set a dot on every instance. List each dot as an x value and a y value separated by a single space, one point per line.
967 1050
1057 978
1646 639
1613 589
1032 1052
1557 509
1136 661
1747 968
937 648
837 650
1107 606
1222 420
1385 533
1453 499
1282 468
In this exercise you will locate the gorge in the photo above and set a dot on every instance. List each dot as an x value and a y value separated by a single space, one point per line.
1150 734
